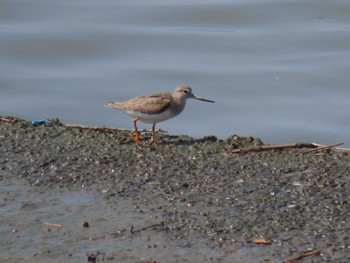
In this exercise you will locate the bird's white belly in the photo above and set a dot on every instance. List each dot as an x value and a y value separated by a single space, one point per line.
151 118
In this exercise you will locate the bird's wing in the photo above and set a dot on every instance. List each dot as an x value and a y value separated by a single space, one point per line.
150 103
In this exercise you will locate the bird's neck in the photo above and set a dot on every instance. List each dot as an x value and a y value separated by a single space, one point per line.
179 105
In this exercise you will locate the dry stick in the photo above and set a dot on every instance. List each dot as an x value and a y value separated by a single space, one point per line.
336 148
106 128
274 147
6 119
312 252
342 149
132 231
262 241
92 127
51 224
323 147
95 127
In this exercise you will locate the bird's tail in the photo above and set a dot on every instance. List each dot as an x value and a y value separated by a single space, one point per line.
113 104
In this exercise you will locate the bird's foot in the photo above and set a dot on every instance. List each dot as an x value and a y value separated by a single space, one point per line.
154 142
137 137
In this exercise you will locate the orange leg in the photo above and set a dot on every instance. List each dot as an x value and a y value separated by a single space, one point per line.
137 134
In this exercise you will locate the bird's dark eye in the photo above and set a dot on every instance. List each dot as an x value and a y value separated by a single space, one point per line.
186 91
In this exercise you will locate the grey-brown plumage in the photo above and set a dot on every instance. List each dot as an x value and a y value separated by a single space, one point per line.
156 107
149 103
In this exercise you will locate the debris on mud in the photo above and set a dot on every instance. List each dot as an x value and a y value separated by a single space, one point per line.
189 195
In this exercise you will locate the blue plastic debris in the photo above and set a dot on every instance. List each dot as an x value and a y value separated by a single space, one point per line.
39 122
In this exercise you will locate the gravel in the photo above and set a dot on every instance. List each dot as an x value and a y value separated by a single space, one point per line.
195 194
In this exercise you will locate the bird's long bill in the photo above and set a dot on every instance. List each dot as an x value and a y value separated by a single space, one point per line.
202 99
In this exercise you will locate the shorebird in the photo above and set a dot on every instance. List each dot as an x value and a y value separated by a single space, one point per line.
155 107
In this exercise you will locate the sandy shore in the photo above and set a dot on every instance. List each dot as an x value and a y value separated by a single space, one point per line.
87 195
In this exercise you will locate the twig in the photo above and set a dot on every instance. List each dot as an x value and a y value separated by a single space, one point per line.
323 147
132 231
6 120
308 253
342 149
108 128
52 224
274 147
94 127
262 241
336 148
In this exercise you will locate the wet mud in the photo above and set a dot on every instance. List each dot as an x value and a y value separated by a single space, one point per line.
92 195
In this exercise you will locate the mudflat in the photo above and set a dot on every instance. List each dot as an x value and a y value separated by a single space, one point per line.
91 195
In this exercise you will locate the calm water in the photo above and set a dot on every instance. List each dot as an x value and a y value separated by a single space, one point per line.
278 70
